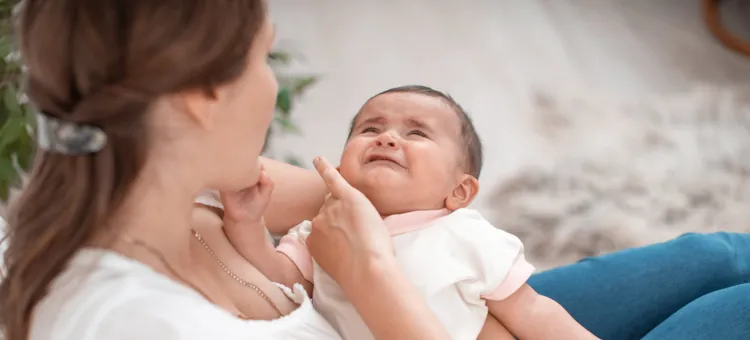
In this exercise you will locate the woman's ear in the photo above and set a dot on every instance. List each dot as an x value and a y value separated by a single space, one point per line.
463 193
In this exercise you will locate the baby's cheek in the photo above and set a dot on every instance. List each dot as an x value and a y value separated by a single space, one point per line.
350 172
441 161
347 162
353 149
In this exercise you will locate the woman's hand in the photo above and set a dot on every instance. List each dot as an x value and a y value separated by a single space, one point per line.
248 205
348 231
350 242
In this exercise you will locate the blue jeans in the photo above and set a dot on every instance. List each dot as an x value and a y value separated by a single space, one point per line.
693 287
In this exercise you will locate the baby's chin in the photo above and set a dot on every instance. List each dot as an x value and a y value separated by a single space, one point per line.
377 185
389 200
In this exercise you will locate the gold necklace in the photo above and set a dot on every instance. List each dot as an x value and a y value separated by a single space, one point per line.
158 254
233 275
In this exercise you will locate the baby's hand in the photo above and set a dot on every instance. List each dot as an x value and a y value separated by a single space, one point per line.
248 205
245 229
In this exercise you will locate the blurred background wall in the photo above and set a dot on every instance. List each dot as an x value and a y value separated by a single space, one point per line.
607 123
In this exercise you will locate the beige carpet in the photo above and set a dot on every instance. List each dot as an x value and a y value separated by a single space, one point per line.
625 174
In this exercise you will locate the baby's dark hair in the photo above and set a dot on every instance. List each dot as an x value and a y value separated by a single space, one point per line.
470 139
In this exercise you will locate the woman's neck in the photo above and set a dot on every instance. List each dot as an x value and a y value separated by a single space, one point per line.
158 213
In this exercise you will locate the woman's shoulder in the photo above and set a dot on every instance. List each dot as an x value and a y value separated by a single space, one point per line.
103 295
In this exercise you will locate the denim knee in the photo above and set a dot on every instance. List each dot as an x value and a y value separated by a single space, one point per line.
724 314
723 256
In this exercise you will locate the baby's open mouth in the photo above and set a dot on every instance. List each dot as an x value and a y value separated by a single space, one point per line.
381 158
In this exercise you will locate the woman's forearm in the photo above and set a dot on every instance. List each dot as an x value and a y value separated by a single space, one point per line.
298 195
390 305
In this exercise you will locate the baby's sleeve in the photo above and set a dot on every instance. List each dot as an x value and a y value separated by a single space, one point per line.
210 198
496 259
294 246
519 273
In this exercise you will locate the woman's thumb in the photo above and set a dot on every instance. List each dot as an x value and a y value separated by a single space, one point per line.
336 184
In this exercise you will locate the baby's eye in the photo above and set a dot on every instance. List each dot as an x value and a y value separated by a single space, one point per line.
418 133
369 129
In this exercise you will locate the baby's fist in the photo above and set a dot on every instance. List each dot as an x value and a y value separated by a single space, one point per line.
248 205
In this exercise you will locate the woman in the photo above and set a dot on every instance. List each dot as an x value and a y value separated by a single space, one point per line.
143 104
129 124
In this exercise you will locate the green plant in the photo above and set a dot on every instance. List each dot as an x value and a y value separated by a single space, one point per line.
291 87
16 144
17 116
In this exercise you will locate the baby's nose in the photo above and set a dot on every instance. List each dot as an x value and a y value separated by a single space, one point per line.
386 140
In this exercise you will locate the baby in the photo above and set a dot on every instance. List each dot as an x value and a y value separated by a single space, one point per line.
415 154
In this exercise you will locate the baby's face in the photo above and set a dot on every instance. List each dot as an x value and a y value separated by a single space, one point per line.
404 152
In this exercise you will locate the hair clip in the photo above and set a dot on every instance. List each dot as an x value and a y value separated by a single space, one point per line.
59 136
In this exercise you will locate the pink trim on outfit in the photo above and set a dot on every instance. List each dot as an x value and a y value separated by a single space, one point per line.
297 251
411 221
517 277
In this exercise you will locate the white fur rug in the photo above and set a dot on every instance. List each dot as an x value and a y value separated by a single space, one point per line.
625 174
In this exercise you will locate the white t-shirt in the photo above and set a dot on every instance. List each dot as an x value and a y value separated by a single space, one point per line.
456 260
104 295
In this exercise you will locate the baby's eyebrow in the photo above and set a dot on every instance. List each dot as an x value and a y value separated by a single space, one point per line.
410 122
418 124
372 120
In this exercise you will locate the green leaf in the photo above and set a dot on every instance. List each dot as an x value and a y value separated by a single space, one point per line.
4 190
284 101
7 170
10 100
24 151
30 115
13 68
11 131
287 125
280 57
5 47
8 176
302 84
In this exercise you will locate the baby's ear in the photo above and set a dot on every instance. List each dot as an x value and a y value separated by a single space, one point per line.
463 193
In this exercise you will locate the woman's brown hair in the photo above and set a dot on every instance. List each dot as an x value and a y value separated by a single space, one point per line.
102 63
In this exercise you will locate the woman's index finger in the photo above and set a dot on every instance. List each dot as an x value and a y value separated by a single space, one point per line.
337 185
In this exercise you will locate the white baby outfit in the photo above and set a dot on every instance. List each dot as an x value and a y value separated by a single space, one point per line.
456 260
